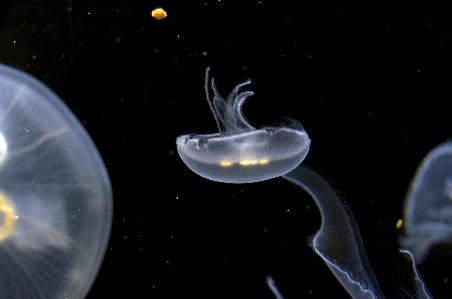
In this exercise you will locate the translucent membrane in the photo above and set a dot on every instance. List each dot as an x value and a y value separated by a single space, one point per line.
55 195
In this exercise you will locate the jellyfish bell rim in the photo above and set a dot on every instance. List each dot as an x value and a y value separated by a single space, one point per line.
201 140
236 165
45 113
35 85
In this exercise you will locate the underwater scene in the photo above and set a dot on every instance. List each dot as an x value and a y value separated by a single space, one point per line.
207 149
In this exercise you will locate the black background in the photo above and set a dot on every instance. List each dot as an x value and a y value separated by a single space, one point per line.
369 82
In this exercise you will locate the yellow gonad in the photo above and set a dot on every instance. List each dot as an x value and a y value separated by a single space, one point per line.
158 14
7 216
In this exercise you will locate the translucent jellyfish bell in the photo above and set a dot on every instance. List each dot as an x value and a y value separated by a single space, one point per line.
239 153
55 195
428 204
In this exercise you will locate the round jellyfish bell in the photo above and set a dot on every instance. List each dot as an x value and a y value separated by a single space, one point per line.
239 153
55 195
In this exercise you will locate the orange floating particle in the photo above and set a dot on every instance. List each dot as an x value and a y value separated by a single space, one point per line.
158 14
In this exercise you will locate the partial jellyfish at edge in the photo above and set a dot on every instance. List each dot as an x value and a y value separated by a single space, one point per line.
428 204
55 195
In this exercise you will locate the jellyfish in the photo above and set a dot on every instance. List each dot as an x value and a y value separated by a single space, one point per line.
239 153
428 203
55 195
233 156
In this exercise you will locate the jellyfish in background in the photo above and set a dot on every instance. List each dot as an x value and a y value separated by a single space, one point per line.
55 195
428 204
233 156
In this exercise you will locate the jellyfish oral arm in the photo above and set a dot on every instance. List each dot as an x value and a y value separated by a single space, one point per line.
271 285
421 290
338 242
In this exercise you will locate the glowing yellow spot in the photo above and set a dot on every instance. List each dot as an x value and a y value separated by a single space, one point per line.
225 164
248 162
263 161
7 214
158 14
399 223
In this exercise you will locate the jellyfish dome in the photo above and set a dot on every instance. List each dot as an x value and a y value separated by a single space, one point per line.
239 153
55 195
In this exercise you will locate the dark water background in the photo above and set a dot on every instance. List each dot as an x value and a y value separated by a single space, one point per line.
370 83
